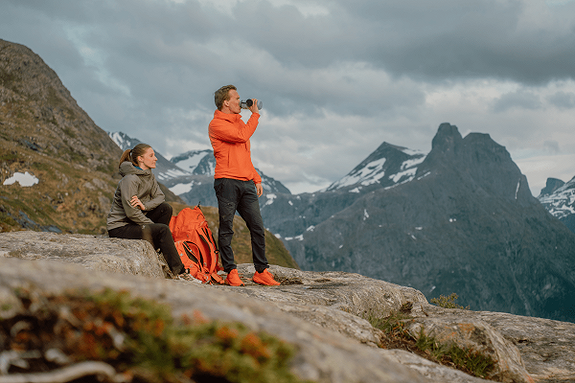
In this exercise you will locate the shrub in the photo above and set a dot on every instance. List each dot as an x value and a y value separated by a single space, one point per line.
448 302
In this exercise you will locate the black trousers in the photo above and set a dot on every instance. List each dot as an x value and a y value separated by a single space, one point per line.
241 196
157 233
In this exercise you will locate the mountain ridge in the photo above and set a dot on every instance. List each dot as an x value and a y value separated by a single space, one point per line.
467 223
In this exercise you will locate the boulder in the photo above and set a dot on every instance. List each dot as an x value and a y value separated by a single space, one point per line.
126 256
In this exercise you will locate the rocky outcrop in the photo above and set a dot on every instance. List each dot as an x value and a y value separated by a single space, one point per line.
96 253
322 313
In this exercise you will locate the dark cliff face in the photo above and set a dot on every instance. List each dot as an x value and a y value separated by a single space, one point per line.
477 162
551 185
466 223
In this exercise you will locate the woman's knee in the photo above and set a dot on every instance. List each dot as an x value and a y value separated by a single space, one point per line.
167 207
161 214
162 229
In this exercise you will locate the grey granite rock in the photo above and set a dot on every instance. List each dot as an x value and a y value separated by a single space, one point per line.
124 256
322 313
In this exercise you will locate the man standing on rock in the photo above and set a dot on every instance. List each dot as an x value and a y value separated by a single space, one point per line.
237 184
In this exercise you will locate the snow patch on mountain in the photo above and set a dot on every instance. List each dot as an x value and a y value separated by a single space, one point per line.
387 166
24 179
190 160
184 187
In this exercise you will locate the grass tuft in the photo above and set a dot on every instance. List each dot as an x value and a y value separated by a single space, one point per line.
397 336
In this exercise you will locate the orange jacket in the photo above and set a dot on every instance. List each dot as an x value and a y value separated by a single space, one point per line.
230 138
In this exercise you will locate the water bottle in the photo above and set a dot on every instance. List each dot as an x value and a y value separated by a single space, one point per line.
249 102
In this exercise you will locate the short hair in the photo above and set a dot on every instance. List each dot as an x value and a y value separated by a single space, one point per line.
222 95
132 155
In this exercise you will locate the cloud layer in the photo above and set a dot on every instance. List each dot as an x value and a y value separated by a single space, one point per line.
337 78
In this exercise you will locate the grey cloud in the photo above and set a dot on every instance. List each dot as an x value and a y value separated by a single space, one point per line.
563 100
552 147
520 99
360 67
471 39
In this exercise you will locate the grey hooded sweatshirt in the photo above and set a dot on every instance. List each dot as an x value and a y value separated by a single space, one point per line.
141 183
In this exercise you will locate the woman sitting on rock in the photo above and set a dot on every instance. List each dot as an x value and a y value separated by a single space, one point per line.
139 210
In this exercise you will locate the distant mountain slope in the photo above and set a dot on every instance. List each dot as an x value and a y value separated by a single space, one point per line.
464 222
196 161
292 215
558 198
388 165
44 133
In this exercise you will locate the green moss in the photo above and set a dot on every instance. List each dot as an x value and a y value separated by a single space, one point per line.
393 324
139 337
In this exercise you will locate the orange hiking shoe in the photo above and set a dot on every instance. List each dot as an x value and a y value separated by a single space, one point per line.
233 278
265 278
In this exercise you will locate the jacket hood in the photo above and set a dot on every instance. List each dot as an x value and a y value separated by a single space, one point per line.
129 168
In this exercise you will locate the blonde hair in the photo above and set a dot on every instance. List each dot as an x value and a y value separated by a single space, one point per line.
222 95
132 155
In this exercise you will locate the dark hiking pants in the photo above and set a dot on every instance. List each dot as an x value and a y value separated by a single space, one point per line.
157 233
241 196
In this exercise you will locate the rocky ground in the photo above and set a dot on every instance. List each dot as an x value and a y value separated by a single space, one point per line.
323 315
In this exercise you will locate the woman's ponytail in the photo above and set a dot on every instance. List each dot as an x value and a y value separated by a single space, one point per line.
132 155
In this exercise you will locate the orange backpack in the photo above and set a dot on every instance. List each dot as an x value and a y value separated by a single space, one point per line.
196 245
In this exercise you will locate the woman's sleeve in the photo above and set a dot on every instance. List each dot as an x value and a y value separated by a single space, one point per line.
157 197
128 189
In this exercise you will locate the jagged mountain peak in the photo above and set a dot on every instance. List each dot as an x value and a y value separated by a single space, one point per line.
447 138
196 161
551 185
558 198
123 140
478 160
387 166
468 224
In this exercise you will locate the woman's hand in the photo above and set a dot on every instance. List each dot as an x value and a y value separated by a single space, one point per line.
135 201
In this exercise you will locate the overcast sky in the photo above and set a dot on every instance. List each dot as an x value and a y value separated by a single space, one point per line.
336 77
